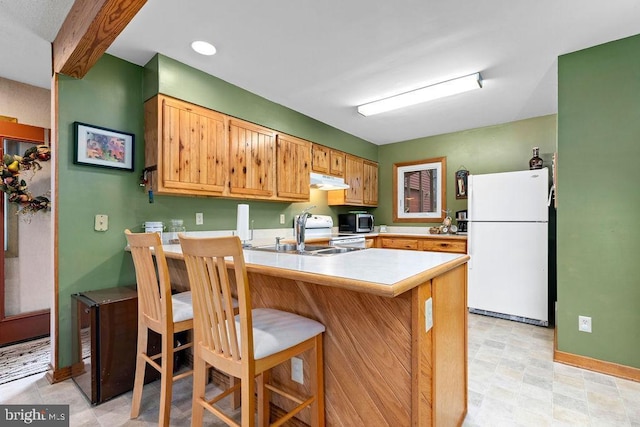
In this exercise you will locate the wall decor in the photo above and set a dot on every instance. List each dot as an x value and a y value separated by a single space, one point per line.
15 187
98 146
461 183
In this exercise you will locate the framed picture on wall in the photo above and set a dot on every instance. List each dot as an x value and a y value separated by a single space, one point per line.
461 183
102 147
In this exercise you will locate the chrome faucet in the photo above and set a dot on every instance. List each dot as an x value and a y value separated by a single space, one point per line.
301 223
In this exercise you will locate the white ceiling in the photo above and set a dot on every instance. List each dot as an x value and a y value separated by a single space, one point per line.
323 58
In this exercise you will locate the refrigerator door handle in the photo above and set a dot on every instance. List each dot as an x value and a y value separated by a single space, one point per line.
551 191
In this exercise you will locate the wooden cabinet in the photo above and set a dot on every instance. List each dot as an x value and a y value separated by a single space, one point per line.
320 161
293 167
194 151
445 245
336 165
370 183
399 243
354 170
187 145
251 159
362 177
328 161
434 244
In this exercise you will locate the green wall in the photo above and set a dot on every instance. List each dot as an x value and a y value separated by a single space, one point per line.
109 96
598 197
501 148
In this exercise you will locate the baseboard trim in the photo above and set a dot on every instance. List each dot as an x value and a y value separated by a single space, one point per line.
596 365
58 375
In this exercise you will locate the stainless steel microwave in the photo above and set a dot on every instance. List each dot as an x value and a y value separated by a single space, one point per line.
355 223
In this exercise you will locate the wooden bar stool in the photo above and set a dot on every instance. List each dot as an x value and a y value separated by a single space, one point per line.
159 311
247 345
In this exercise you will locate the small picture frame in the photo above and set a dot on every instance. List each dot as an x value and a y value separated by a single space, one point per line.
461 183
102 147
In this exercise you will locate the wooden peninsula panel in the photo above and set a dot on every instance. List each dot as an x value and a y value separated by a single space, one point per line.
382 368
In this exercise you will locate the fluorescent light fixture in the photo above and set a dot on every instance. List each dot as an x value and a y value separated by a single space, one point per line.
417 96
203 48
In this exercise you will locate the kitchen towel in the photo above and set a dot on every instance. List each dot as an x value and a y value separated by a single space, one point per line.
242 226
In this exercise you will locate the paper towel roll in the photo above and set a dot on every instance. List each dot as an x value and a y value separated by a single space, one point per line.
242 226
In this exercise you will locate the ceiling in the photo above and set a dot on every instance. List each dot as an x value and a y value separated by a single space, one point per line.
323 58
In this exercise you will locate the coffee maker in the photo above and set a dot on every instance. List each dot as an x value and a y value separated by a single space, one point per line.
461 218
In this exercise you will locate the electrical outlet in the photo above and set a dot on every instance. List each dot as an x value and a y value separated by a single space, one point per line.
297 374
281 218
199 218
428 314
584 324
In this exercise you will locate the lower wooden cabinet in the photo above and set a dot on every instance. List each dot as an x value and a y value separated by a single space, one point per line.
434 244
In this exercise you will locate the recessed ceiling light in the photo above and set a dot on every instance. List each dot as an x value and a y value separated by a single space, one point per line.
203 48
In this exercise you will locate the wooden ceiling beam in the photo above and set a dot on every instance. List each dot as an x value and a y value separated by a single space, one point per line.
88 31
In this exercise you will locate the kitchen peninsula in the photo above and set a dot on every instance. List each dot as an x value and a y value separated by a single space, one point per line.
395 348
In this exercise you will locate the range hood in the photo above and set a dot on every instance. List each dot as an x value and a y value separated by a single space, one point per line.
325 182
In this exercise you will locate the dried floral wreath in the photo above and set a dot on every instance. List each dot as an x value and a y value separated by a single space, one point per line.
15 187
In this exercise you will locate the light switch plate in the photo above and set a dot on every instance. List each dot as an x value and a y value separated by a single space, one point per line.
101 223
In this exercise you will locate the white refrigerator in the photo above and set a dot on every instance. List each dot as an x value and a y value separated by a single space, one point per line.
508 244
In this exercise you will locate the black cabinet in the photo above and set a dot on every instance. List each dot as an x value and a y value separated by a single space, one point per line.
104 340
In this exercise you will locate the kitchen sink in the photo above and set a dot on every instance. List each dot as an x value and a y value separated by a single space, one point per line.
318 250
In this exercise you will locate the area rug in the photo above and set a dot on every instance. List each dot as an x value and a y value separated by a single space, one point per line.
22 360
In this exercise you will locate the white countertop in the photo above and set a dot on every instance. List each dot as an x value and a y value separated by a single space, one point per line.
383 271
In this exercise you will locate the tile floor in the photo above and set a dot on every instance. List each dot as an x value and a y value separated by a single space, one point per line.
512 382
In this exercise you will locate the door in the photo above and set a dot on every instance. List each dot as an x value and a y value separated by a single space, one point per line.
25 290
508 268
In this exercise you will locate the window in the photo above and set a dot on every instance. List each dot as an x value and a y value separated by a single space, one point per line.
419 190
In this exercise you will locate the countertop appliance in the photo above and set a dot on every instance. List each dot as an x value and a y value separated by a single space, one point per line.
355 222
508 244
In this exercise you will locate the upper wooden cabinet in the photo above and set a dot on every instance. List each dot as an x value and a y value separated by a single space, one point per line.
337 164
194 151
362 177
187 145
251 159
354 176
293 167
328 161
320 162
370 183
